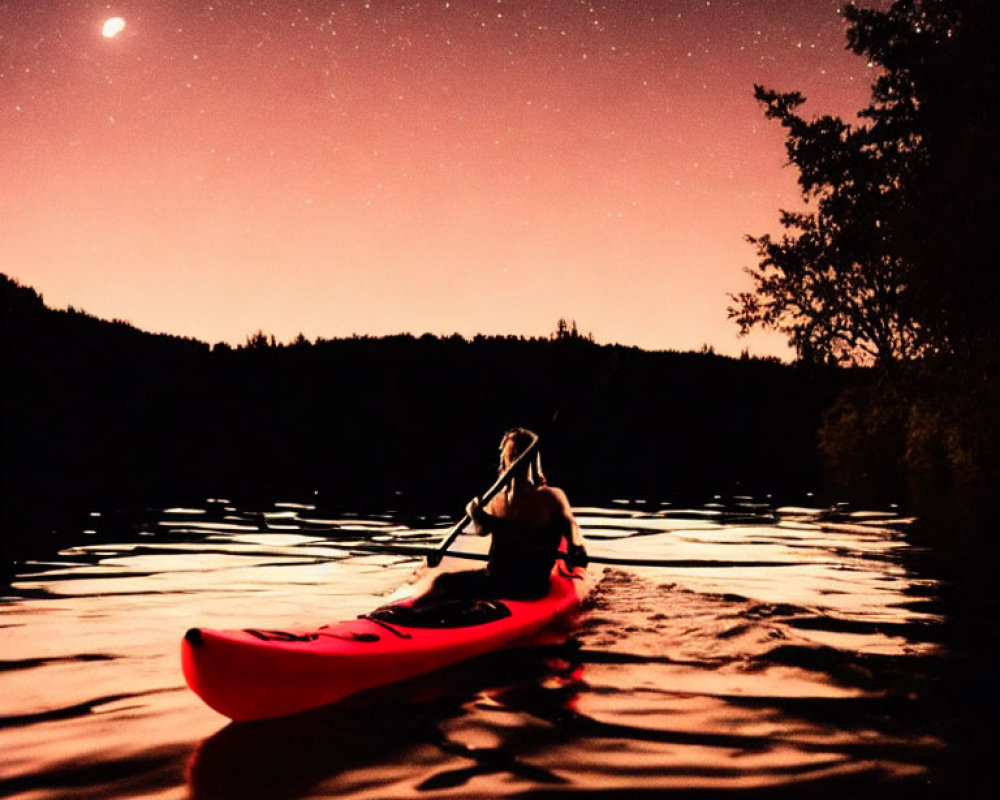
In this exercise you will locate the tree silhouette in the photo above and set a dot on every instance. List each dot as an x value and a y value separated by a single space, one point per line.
891 259
566 330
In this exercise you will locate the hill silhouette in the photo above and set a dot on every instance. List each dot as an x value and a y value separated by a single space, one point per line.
99 415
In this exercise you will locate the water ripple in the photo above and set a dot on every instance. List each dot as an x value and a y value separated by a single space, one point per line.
733 650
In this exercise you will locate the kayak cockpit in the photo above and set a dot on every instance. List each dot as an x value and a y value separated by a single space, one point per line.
459 613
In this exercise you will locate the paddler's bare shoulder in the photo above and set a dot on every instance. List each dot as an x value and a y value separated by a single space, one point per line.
555 496
538 504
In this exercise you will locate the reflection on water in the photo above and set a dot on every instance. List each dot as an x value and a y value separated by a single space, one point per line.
726 648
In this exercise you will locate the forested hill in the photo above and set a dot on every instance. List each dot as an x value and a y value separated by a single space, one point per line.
99 414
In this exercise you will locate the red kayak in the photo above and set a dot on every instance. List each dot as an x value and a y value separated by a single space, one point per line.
255 674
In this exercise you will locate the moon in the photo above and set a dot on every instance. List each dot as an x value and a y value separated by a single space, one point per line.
112 27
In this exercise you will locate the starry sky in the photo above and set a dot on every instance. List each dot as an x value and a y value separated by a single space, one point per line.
333 167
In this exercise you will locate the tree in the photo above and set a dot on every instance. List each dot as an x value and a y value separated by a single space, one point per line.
940 85
259 341
567 330
890 260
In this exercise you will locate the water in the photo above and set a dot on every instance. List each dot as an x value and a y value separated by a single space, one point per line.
789 652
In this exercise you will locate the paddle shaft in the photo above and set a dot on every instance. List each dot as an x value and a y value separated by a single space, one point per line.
682 563
433 559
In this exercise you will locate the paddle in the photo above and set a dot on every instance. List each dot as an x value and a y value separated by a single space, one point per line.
631 561
433 559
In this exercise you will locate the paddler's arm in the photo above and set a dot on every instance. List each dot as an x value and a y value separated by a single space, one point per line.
576 553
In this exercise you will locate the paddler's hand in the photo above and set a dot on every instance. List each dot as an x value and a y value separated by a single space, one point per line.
577 556
474 510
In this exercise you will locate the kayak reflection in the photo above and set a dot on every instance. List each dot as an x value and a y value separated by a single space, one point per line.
426 731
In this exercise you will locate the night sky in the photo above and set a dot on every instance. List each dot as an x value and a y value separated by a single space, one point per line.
330 168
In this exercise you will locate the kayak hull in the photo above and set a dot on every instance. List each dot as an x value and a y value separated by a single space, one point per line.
251 674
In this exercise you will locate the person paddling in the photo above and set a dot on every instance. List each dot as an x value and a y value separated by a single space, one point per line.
529 522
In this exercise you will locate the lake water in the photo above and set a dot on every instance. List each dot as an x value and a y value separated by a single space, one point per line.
791 652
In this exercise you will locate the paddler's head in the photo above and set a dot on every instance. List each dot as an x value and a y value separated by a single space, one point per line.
514 442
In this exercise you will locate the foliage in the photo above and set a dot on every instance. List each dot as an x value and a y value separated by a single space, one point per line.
833 283
940 86
862 440
931 437
893 262
892 258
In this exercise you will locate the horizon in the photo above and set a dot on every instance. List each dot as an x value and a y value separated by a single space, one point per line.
273 341
373 168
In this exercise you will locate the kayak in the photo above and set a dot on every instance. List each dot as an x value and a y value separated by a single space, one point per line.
253 674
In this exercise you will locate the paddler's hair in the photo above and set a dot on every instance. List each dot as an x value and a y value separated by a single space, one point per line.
518 440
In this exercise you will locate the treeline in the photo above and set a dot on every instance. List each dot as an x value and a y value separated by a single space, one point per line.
99 415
